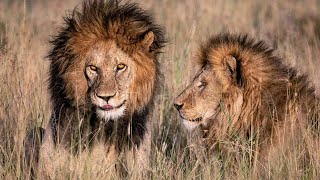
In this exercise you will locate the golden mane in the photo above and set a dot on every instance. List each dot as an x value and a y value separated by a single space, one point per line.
99 21
268 85
126 25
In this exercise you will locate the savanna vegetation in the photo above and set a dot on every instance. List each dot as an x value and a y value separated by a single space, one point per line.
293 27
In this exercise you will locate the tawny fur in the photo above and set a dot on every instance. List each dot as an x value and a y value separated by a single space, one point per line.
75 128
258 99
264 78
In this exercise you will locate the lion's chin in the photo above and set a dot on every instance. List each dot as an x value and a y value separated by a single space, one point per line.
190 125
113 114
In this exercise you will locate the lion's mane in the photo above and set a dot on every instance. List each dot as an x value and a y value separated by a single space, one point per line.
126 25
271 89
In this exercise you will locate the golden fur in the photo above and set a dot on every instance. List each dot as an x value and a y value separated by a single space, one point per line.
104 73
244 90
127 26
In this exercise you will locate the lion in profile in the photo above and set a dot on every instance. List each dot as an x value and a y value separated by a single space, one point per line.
244 93
104 74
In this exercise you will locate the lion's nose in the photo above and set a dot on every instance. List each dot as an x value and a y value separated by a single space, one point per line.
178 106
105 97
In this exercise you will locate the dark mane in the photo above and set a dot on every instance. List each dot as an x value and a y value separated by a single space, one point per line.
243 43
102 20
261 73
256 60
126 24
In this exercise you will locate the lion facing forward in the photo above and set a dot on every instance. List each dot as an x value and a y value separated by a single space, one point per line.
244 94
104 73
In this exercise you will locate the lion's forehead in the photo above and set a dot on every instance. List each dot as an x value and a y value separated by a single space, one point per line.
213 88
106 55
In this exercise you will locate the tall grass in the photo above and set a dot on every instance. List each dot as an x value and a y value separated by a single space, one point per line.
293 27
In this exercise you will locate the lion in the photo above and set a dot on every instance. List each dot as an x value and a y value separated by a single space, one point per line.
244 91
103 79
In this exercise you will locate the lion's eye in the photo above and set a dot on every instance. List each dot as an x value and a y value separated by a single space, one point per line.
93 68
121 67
202 84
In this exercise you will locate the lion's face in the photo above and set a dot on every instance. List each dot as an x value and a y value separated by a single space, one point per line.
105 61
215 89
199 101
105 77
108 71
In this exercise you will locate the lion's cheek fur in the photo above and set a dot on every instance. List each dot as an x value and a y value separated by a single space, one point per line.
227 121
75 84
233 105
143 85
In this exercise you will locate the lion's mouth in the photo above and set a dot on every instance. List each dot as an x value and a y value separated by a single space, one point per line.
198 119
109 107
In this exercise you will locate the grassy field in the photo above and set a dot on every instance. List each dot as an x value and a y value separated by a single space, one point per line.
293 27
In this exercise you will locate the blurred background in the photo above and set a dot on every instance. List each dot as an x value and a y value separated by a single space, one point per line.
292 27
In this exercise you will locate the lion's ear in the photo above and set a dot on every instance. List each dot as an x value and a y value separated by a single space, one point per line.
233 69
148 40
231 64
